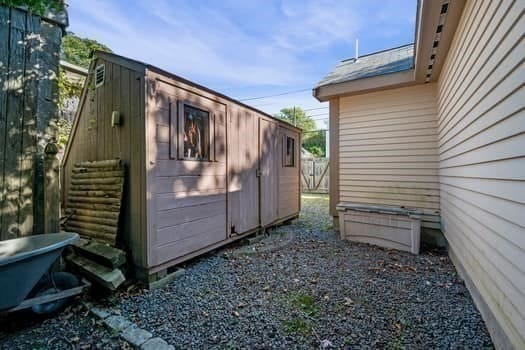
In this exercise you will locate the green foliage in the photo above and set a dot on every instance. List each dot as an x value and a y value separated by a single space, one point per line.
306 304
79 50
315 143
67 89
296 116
37 6
298 325
64 129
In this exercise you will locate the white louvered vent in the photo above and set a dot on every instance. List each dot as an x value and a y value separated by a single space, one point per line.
100 74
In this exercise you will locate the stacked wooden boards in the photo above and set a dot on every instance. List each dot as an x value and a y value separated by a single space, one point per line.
99 263
95 198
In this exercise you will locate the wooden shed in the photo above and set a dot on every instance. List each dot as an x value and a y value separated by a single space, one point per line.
202 169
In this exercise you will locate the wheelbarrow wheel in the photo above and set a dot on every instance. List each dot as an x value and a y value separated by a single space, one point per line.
60 281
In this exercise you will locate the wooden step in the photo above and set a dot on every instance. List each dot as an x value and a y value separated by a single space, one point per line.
107 277
100 253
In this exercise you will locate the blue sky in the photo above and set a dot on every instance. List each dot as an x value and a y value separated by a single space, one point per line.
247 49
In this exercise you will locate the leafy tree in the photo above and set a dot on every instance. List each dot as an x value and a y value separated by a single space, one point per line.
79 50
37 6
296 116
314 141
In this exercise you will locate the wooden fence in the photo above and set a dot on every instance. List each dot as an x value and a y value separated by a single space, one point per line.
315 175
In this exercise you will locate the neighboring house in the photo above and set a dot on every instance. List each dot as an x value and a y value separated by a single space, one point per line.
76 75
440 126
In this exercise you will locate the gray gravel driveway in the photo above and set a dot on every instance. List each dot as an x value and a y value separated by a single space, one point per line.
317 292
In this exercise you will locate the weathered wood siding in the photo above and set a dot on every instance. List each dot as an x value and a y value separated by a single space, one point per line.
29 58
388 152
93 138
187 198
289 180
481 127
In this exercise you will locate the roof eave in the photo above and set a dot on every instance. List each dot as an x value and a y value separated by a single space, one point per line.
360 86
428 19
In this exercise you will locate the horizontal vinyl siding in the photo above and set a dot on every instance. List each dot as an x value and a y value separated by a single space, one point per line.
482 158
388 150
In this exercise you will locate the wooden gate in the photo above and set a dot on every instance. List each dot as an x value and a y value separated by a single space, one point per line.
314 175
29 47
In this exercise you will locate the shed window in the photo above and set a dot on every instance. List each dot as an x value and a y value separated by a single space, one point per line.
196 133
289 156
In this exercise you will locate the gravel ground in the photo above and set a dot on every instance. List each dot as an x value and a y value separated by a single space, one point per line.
317 292
73 328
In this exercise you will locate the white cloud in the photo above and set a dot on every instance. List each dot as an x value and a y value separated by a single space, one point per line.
313 24
199 44
227 45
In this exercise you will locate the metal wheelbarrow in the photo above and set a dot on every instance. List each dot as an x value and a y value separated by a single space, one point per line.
24 281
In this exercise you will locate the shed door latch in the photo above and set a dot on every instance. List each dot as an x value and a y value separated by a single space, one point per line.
258 173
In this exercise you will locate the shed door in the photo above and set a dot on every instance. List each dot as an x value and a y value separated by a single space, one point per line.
269 170
243 163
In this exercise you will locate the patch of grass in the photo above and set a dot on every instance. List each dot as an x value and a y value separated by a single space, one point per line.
327 226
306 307
306 304
298 325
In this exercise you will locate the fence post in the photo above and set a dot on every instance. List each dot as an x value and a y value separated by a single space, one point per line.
313 175
51 189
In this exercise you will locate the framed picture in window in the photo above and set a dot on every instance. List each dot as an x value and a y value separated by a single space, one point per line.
195 132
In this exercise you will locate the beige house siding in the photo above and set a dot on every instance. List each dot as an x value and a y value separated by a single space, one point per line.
482 160
388 152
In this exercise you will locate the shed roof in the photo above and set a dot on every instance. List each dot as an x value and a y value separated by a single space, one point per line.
388 61
68 66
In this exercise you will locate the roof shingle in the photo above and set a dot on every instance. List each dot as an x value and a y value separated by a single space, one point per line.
383 62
